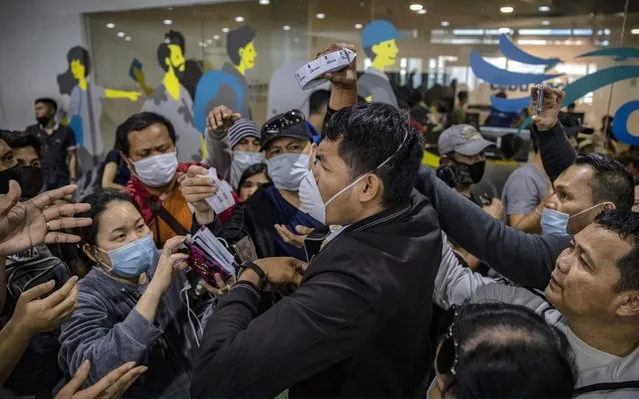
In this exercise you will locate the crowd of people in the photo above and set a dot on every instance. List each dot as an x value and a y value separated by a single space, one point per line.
359 271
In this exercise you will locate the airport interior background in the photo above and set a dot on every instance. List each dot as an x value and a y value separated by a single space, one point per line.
480 46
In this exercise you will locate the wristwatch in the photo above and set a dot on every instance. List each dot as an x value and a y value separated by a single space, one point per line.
258 270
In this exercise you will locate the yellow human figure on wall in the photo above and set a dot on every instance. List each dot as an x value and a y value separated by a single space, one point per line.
379 43
172 100
85 107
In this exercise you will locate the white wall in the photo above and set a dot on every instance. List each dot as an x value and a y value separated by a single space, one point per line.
34 38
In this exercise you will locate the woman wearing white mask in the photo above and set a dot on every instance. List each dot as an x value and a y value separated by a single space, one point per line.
233 144
133 305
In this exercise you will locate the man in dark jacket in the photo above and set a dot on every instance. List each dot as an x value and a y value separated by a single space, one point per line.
358 323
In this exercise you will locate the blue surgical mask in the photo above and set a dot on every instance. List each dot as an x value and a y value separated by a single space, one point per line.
556 223
288 170
132 259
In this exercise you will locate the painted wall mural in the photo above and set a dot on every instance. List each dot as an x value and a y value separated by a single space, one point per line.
574 90
379 43
172 100
85 106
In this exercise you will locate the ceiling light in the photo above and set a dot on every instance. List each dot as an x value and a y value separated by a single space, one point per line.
286 27
635 31
504 30
416 7
545 23
239 19
225 30
209 41
201 44
128 38
445 23
296 40
121 34
359 26
544 8
168 21
110 25
422 11
216 37
320 15
506 10
265 2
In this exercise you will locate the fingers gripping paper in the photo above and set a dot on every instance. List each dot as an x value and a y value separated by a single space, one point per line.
311 74
223 198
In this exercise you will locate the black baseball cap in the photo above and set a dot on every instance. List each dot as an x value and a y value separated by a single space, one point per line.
289 124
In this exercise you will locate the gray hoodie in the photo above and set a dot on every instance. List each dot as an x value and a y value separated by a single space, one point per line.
455 285
107 330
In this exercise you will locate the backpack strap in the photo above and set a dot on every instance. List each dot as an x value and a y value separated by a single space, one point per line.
159 210
607 386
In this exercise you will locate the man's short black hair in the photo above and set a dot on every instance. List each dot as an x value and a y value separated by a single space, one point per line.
164 52
501 94
462 96
24 140
317 100
370 134
611 180
49 101
237 39
626 224
137 122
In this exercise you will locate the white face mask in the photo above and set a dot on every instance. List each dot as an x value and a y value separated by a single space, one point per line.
241 161
158 170
556 223
288 170
311 198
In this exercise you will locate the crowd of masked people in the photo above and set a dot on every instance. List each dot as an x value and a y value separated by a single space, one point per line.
372 274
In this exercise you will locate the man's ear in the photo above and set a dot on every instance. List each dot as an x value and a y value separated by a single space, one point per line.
443 160
628 304
128 162
373 186
240 52
609 206
375 49
313 153
167 62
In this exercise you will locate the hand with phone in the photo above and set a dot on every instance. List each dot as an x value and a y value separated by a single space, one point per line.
545 108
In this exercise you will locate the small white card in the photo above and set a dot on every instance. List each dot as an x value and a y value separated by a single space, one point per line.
223 198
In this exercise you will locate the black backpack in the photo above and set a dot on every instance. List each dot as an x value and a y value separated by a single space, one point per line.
23 276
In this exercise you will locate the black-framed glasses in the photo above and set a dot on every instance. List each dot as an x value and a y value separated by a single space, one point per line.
447 356
282 122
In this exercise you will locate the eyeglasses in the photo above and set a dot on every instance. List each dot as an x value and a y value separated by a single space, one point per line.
285 121
447 356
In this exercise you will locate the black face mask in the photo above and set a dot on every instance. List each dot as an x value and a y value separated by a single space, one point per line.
28 177
471 174
32 181
44 120
10 174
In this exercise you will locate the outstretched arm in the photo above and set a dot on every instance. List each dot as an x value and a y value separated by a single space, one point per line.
526 259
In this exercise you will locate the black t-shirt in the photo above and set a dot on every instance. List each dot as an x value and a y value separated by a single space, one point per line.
122 174
54 147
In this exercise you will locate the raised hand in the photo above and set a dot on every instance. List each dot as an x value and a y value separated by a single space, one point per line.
347 78
34 314
113 385
170 264
292 238
221 117
26 224
197 186
282 270
550 107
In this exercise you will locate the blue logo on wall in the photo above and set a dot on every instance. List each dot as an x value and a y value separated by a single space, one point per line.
575 90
